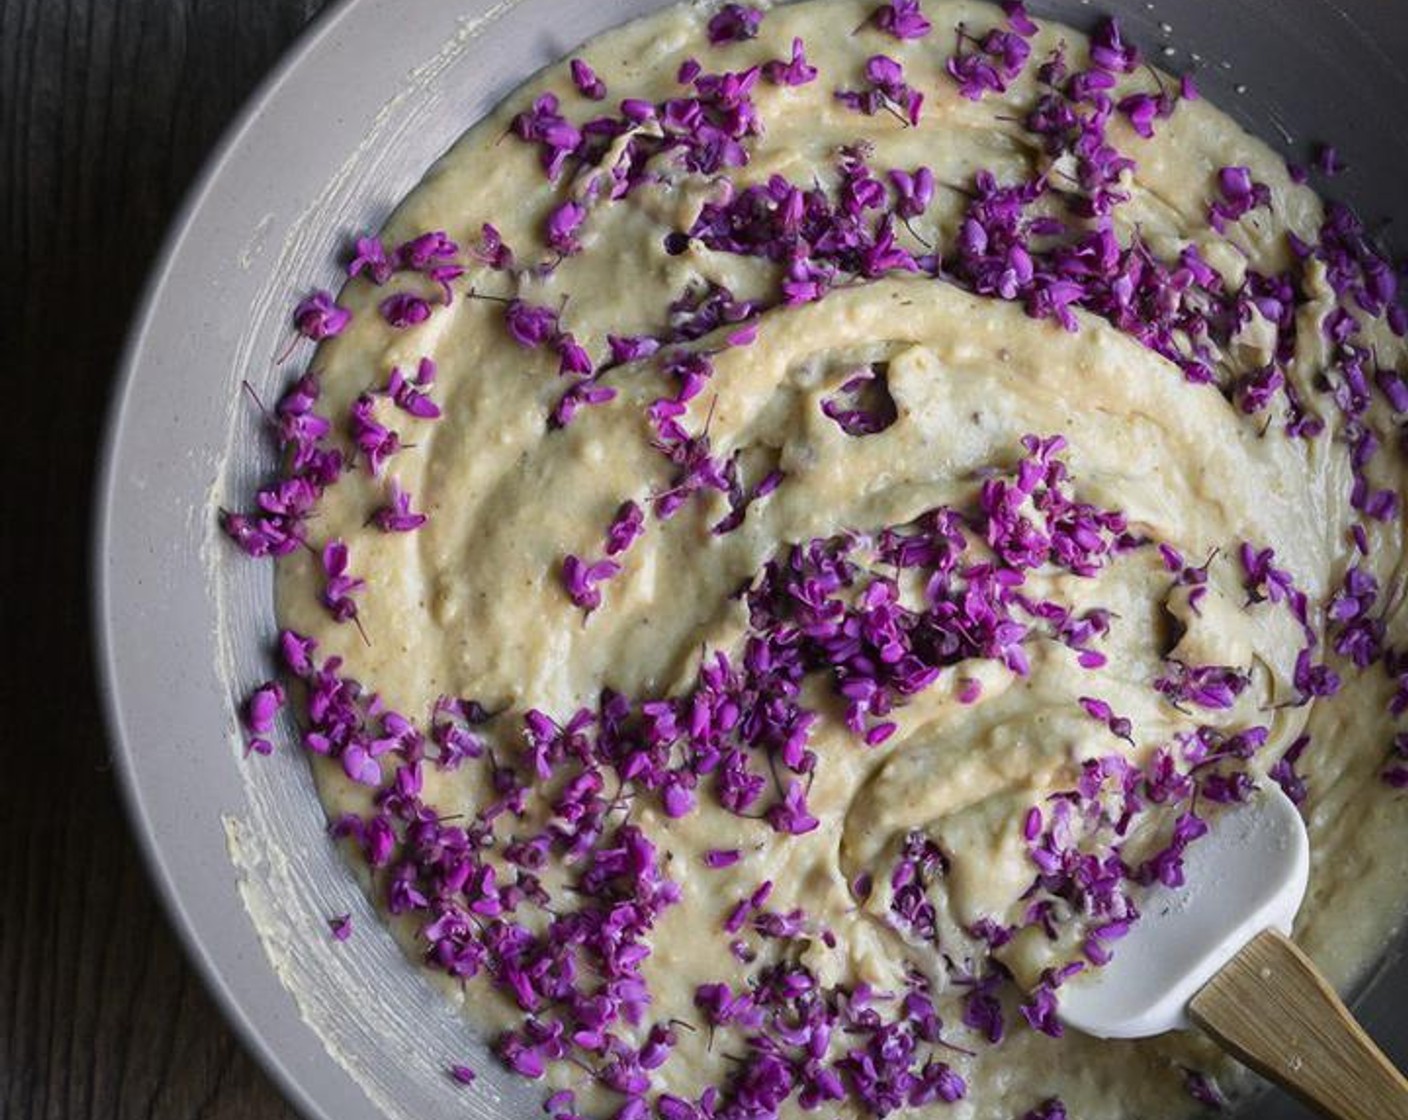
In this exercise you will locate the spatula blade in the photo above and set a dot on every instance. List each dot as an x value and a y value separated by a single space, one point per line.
1248 874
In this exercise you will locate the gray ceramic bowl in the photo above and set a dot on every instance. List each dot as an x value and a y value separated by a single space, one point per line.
344 127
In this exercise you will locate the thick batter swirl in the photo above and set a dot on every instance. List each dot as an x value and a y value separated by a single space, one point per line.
814 510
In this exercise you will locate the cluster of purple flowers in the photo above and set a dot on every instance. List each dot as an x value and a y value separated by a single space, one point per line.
819 237
549 890
886 90
987 65
476 889
1086 879
733 23
822 607
705 130
903 19
279 523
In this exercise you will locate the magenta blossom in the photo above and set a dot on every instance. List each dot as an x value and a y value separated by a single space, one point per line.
317 317
733 23
404 309
529 325
580 580
397 516
562 227
585 79
903 19
370 259
339 587
796 71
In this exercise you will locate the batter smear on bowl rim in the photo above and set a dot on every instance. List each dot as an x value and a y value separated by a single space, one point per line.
801 517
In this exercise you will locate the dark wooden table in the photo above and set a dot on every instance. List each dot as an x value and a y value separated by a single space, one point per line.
107 110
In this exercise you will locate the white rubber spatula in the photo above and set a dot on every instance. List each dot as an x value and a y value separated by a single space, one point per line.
1214 954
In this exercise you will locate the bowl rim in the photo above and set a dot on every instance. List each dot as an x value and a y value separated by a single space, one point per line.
134 799
301 1091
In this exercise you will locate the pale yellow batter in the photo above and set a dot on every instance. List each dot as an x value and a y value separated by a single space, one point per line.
472 603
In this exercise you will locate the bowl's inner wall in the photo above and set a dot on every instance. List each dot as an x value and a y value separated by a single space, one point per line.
344 130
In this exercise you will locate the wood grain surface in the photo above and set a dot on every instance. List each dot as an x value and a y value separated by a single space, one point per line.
107 109
1270 1008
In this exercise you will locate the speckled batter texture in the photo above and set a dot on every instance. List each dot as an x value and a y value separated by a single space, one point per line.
472 604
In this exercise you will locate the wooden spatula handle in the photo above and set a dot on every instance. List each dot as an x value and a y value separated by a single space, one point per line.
1271 1008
